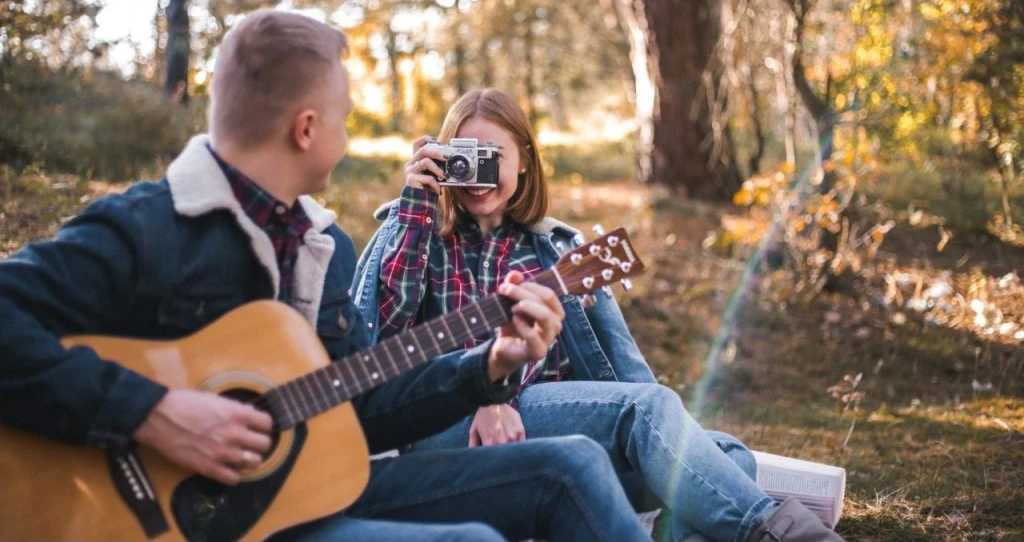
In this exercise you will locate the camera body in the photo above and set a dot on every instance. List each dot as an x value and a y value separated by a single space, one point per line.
469 163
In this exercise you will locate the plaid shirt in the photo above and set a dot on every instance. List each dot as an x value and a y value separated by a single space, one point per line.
427 275
285 226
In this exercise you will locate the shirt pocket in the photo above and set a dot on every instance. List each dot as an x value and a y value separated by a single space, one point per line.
336 321
190 311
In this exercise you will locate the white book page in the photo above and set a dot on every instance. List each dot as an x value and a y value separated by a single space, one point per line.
821 488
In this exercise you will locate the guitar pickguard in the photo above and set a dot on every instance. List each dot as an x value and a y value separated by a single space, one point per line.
208 511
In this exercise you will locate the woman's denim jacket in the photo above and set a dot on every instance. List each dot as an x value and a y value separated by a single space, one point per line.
599 342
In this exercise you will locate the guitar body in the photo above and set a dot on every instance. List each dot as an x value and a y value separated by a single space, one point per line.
54 491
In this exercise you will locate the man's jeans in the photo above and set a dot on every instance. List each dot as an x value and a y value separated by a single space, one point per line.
554 488
645 429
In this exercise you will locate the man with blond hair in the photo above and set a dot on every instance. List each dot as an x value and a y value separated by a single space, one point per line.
230 223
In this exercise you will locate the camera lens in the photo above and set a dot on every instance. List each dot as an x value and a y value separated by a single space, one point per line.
458 167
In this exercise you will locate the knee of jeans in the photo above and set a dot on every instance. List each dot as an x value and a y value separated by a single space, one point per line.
657 398
735 450
579 453
476 532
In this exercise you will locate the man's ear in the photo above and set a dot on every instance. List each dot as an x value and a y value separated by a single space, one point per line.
304 128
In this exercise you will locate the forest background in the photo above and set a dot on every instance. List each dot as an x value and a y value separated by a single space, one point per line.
828 194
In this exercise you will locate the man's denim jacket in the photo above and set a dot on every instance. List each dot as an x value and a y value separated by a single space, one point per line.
599 344
163 260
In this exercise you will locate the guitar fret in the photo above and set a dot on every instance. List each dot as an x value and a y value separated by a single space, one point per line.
419 346
347 363
362 358
310 397
403 349
484 321
506 312
430 332
450 336
384 345
323 388
495 315
465 326
337 381
295 412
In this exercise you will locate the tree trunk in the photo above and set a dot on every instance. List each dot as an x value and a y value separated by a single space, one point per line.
643 83
692 147
176 82
529 76
755 116
397 105
787 94
461 86
819 106
160 47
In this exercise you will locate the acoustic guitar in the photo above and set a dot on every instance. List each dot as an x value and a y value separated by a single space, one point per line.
263 352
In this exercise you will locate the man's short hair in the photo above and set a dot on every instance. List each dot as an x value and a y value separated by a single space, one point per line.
267 64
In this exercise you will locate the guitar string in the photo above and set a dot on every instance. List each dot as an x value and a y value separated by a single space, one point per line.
309 404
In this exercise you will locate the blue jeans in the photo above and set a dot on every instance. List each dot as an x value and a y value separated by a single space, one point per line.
645 430
555 488
340 528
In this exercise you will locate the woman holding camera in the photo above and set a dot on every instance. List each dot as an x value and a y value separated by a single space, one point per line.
443 247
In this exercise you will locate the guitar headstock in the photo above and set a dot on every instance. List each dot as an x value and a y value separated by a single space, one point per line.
599 263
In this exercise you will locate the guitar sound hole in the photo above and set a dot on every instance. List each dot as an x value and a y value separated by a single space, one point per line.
251 397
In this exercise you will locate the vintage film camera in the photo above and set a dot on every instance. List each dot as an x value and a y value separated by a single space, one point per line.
469 163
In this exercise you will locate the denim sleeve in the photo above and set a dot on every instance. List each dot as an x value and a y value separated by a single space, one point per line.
430 398
71 285
613 334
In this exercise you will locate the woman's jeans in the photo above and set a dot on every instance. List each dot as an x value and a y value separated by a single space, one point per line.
647 432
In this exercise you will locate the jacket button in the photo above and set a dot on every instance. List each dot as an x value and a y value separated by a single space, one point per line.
342 321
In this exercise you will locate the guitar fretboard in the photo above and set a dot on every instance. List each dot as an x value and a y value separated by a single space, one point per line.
298 400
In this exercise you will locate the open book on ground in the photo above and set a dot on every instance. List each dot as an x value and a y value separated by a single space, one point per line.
818 486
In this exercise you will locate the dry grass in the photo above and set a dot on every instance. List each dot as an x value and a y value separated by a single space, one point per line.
933 449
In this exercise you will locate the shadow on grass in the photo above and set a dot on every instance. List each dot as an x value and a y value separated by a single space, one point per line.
917 247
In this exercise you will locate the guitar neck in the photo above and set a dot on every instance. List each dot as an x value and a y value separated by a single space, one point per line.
298 400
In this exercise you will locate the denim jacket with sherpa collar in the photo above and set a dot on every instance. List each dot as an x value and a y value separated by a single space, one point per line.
163 260
598 341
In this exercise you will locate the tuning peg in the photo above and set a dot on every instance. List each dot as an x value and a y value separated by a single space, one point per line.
576 258
613 241
588 282
626 266
598 229
606 274
579 239
560 248
627 284
607 291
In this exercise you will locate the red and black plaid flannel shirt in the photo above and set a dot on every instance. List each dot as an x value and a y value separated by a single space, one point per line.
426 275
283 225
